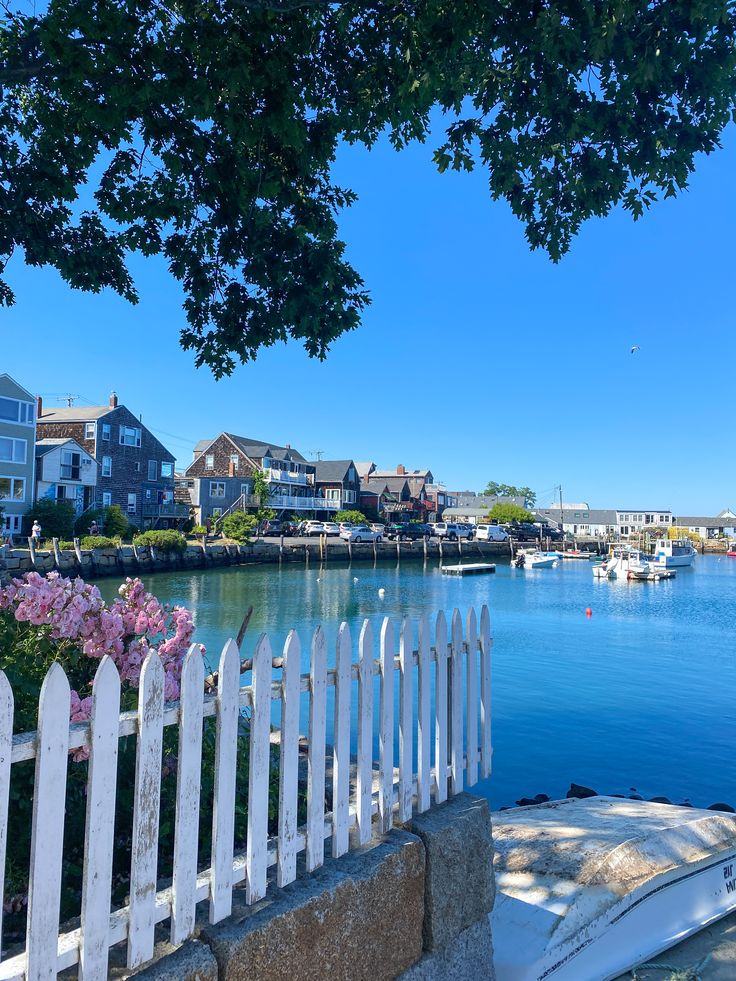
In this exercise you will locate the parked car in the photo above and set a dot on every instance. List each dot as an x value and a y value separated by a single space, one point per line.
345 524
554 534
523 531
491 533
378 528
313 528
331 529
409 531
452 532
360 533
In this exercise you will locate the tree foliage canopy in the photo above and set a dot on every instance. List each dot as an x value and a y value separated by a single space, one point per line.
204 132
507 513
511 490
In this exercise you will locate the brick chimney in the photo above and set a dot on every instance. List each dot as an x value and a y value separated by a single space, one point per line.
113 400
39 406
231 469
401 470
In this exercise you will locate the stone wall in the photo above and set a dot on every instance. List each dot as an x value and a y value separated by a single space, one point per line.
130 561
412 905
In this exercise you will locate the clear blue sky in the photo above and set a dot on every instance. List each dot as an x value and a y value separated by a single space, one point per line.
477 358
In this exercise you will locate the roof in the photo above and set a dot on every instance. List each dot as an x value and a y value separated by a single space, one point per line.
75 413
466 510
569 506
588 516
19 389
364 467
466 499
422 474
331 470
394 484
44 446
253 448
688 521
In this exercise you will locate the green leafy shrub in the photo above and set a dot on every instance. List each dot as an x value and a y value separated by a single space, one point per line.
110 520
99 541
239 526
66 546
199 530
354 517
165 540
55 517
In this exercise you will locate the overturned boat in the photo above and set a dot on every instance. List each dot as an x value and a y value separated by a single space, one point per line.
589 889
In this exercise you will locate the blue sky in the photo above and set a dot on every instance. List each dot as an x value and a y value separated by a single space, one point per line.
477 358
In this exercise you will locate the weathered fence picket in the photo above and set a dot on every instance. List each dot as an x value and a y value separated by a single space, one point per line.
144 858
289 760
188 780
457 707
316 752
47 835
100 822
386 728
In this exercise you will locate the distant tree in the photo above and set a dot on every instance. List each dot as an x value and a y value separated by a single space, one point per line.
206 132
495 489
507 513
354 517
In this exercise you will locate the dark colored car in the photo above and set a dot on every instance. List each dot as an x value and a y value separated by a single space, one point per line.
554 534
409 531
524 531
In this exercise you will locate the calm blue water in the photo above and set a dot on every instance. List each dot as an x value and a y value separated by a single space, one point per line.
642 695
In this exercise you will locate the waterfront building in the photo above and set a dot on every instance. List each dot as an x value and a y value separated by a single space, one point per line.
136 471
474 509
438 500
634 521
65 472
579 519
337 481
220 478
722 524
17 458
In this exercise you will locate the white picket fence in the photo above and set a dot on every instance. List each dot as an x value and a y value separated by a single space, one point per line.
455 710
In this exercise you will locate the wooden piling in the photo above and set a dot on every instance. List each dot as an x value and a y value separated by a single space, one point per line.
32 549
78 551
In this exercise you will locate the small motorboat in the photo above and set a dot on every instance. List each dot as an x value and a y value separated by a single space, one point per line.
624 562
673 553
731 553
533 558
589 889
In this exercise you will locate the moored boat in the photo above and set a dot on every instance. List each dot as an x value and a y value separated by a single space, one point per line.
533 558
673 553
624 562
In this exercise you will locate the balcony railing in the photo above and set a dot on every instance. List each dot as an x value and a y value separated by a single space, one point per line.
165 511
303 503
287 477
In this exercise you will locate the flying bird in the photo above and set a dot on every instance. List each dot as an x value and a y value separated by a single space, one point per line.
635 348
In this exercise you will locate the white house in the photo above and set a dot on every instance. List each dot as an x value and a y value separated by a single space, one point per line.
722 524
632 521
579 519
65 472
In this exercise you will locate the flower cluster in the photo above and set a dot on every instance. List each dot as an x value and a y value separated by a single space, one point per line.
127 630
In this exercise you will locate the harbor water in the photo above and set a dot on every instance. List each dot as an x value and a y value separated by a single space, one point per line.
639 697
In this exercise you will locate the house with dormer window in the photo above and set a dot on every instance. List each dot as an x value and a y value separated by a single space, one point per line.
17 457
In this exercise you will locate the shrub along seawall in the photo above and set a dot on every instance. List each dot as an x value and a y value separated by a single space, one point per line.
136 559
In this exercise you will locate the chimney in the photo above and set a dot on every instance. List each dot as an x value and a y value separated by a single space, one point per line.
231 469
113 400
288 446
401 470
39 406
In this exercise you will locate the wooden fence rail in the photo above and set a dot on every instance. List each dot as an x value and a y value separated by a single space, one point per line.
442 689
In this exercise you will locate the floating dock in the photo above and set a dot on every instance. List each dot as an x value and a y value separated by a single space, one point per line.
470 569
654 575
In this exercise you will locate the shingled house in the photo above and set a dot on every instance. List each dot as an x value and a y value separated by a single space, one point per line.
337 481
136 471
220 478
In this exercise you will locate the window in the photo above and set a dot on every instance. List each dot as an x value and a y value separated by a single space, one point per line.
332 493
89 430
60 492
216 512
70 465
106 430
130 436
12 489
167 469
11 523
137 466
132 503
152 470
12 410
234 460
209 461
217 488
106 499
13 450
107 466
349 497
244 490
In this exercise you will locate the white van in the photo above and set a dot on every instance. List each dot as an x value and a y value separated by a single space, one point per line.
490 533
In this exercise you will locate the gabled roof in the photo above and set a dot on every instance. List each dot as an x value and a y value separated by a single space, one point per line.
579 516
331 470
44 446
256 449
465 499
394 484
690 521
19 389
364 467
74 413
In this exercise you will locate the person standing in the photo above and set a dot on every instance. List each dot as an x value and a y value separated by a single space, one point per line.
36 533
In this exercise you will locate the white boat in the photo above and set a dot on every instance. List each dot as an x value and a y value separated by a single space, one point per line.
673 553
589 889
624 562
533 558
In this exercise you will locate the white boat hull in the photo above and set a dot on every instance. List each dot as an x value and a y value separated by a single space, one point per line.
673 561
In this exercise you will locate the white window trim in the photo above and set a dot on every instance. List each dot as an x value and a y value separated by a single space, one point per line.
30 411
13 441
89 430
167 476
106 503
217 483
13 480
209 461
106 431
123 430
132 503
109 472
155 469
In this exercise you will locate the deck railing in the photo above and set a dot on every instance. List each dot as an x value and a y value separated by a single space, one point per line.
444 724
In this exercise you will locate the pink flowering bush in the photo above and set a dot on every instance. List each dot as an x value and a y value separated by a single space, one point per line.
48 618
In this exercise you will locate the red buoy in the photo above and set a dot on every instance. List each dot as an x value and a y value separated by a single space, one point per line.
588 612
